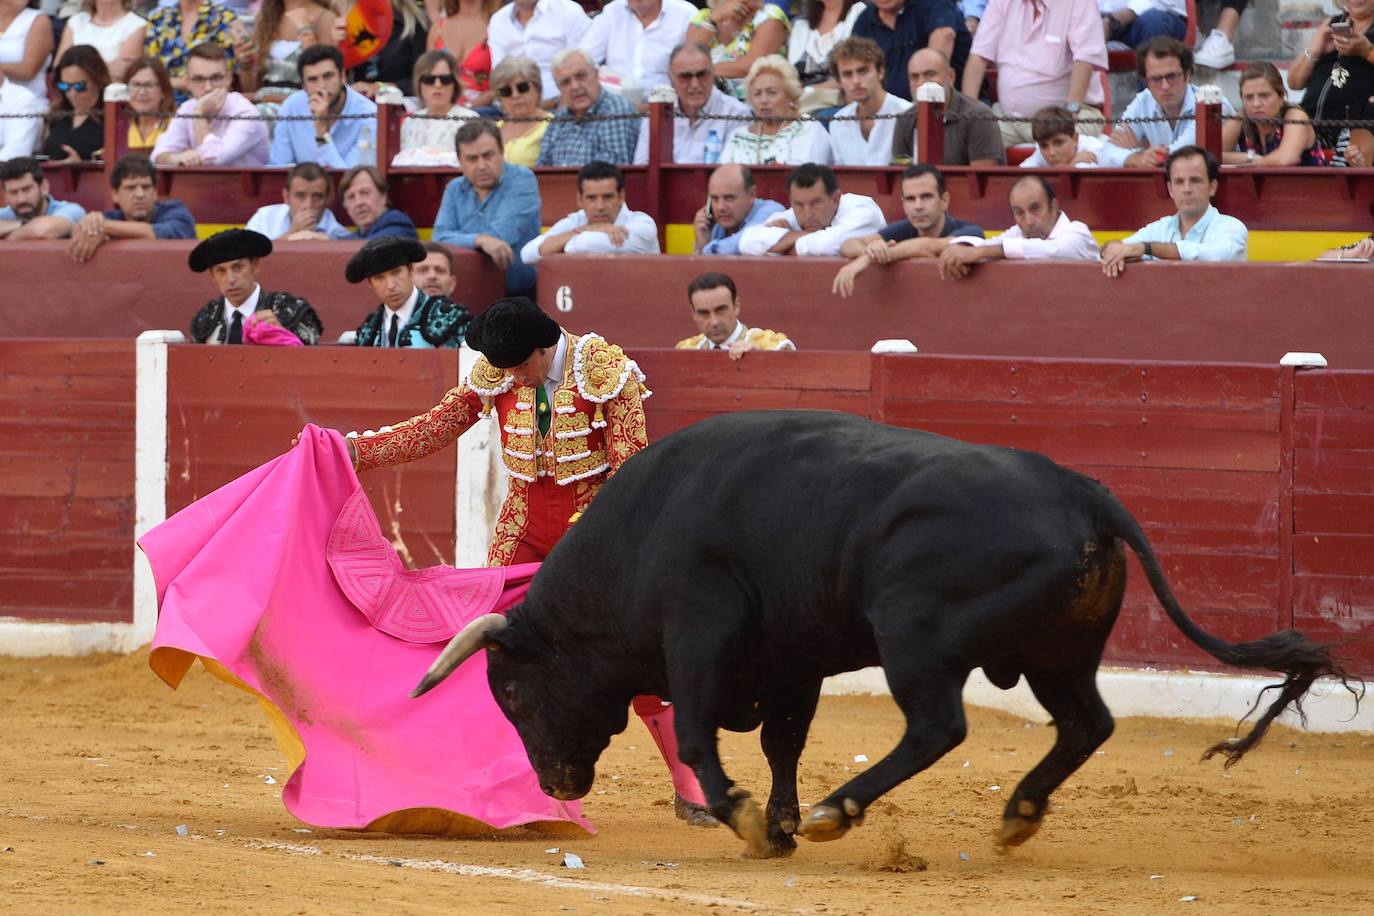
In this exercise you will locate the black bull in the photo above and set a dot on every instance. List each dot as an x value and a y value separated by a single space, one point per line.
734 564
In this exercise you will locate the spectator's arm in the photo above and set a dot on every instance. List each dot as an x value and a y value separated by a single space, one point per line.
43 227
130 229
1073 245
329 155
175 139
768 39
556 240
37 49
529 254
643 237
942 39
130 50
760 240
1300 67
858 217
1229 242
281 152
595 40
974 70
853 248
1078 81
176 223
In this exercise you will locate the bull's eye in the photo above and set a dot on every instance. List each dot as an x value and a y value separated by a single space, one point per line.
509 692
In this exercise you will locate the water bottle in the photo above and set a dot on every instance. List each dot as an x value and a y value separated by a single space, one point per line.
367 145
710 150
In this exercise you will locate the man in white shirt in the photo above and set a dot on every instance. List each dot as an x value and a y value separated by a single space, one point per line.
635 38
304 214
1042 232
19 132
537 29
858 65
700 110
216 126
820 221
604 225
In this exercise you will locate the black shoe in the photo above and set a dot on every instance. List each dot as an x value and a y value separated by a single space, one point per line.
695 815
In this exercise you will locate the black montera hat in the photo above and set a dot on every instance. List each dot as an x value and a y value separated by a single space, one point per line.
510 330
380 255
229 245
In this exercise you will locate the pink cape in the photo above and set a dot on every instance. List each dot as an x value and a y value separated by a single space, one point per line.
244 582
267 334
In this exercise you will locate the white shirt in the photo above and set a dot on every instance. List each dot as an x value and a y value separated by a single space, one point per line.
1158 132
246 308
643 236
847 139
18 136
1108 154
402 318
555 25
12 43
856 217
556 368
107 39
798 142
1068 241
802 42
617 39
274 220
689 135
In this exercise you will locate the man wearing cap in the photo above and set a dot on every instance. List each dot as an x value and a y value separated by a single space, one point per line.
407 317
570 412
243 313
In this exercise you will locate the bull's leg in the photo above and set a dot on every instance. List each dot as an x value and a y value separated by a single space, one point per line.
932 700
727 802
1082 723
783 737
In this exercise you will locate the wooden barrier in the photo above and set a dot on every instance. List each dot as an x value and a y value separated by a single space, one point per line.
1171 311
1252 481
134 286
67 474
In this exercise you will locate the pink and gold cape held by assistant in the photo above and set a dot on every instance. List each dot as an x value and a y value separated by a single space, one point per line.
282 583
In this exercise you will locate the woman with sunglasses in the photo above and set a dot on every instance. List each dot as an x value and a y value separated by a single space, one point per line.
518 88
427 135
75 128
151 103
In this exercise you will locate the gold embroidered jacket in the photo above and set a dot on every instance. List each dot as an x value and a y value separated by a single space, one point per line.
597 423
759 337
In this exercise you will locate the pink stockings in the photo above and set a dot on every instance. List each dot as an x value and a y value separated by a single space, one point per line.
658 719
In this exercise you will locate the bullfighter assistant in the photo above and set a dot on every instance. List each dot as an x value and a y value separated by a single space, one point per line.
571 413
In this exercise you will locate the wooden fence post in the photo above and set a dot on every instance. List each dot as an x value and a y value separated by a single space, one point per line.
930 124
1208 114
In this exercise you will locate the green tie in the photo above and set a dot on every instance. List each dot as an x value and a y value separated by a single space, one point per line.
541 400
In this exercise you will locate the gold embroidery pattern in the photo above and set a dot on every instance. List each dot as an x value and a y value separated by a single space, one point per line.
419 436
511 525
487 380
691 343
769 340
628 432
518 438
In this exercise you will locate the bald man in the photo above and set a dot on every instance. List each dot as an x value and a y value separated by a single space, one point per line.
732 205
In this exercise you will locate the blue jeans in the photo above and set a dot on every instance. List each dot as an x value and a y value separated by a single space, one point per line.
1153 24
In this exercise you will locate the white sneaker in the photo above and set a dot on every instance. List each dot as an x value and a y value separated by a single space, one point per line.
1216 53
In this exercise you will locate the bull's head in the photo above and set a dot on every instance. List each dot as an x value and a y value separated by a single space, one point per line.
565 715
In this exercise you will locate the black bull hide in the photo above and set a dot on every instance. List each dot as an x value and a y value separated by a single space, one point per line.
734 564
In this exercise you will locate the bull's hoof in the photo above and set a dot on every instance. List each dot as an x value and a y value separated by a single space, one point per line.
695 815
1019 827
824 822
746 819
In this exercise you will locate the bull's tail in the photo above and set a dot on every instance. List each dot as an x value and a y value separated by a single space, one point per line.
1288 652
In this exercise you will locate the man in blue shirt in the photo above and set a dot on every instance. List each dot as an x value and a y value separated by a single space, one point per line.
30 211
363 192
1166 66
732 206
335 117
1197 232
494 207
137 214
590 124
903 27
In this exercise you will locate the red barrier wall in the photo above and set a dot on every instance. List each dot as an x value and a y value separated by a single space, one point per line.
67 475
1203 312
134 286
232 409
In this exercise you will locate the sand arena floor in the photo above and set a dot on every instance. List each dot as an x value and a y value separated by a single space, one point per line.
102 762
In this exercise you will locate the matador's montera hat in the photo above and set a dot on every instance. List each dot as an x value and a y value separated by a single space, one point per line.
510 330
229 245
380 255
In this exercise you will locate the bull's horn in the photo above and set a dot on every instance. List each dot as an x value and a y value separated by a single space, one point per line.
460 648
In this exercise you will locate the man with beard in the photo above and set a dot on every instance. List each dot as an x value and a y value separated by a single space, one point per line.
30 211
334 115
234 317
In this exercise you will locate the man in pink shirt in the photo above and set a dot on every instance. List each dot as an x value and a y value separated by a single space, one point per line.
1042 232
203 131
1046 54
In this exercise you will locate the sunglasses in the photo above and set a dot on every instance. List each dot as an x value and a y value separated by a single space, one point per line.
438 79
687 76
72 87
521 87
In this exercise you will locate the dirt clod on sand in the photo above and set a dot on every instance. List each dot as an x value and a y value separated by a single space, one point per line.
101 763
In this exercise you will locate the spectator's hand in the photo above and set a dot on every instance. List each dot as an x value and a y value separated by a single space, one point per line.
1114 257
366 88
188 157
211 103
306 235
339 31
500 253
956 261
971 24
701 227
1356 45
879 252
246 53
778 224
304 220
71 155
618 234
1085 157
1354 156
739 348
319 104
1149 158
87 235
844 280
1123 137
267 316
1364 248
